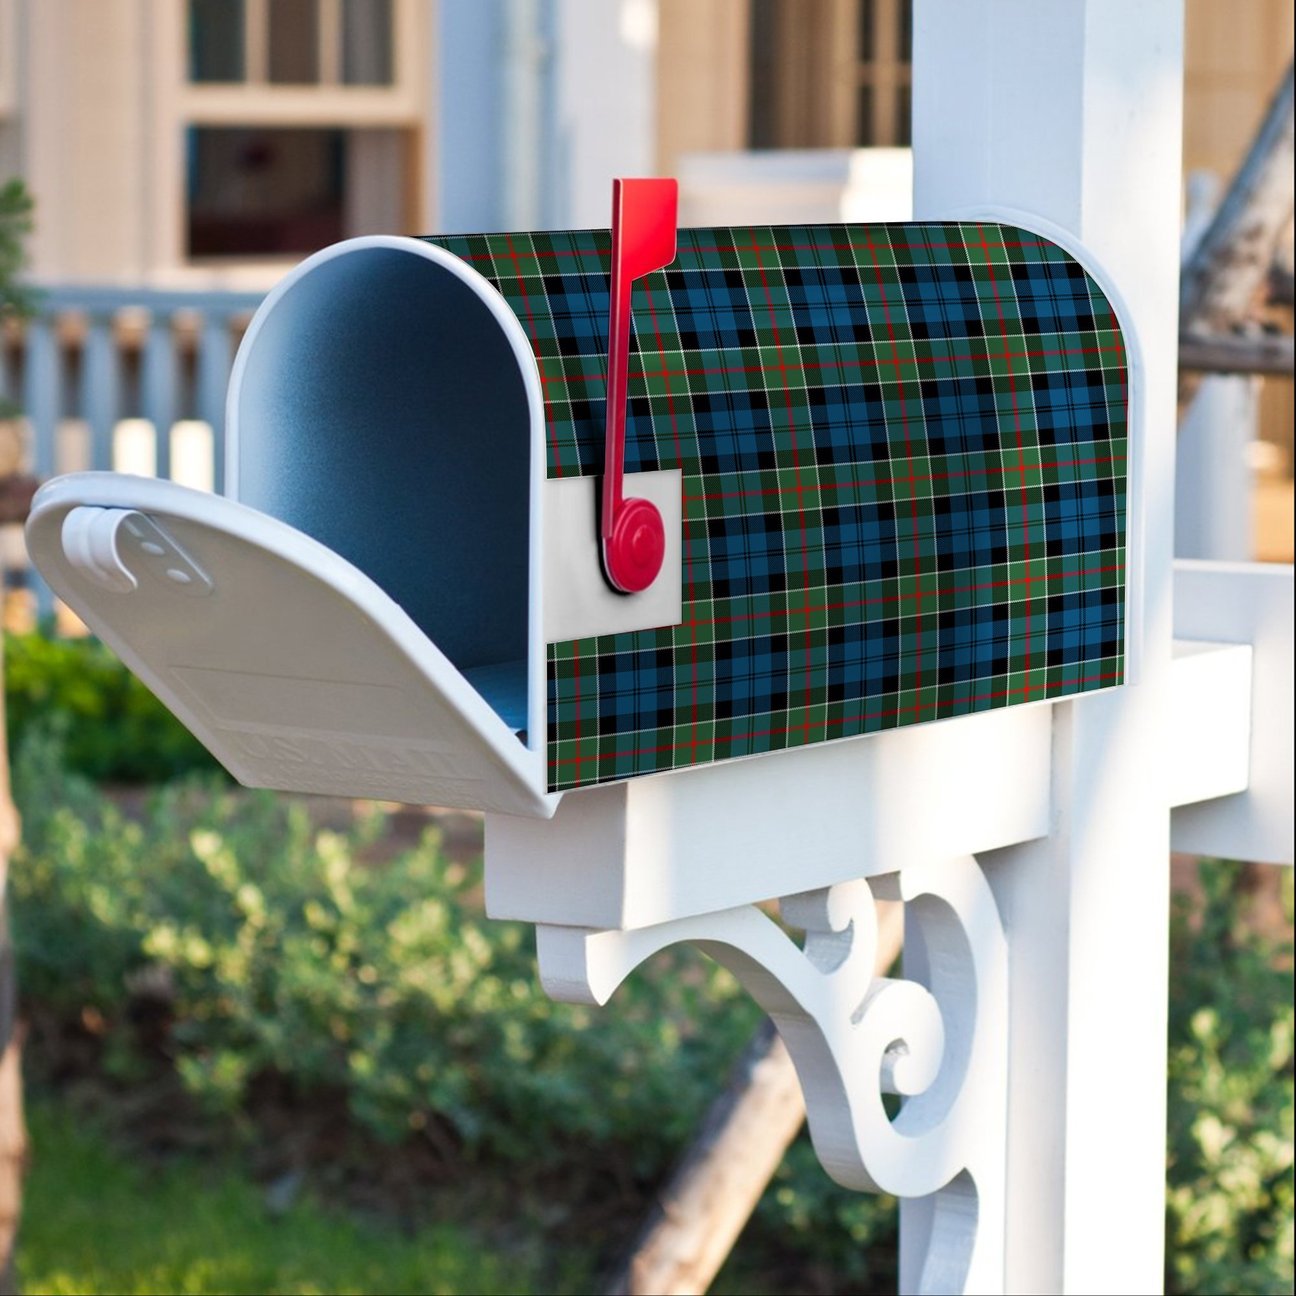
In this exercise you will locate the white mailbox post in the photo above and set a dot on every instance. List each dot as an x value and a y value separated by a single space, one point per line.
378 614
1031 1023
1074 112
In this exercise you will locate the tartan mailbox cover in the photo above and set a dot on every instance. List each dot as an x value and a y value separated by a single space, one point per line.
904 453
897 455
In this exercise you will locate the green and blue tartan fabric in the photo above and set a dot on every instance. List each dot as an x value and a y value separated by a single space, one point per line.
904 470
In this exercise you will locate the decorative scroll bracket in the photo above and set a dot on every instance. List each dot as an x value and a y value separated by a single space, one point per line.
937 1037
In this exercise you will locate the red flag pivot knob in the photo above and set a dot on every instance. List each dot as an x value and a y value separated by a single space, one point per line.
633 553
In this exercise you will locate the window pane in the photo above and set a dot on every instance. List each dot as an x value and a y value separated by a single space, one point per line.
267 192
903 108
294 42
367 42
216 40
904 33
864 131
867 18
763 73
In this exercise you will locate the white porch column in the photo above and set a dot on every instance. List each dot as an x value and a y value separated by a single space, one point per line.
469 67
1072 112
604 103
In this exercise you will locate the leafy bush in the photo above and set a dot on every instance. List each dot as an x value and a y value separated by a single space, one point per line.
847 1240
1230 1199
113 728
283 954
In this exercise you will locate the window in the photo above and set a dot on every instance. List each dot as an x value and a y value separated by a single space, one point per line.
884 70
293 53
216 49
832 74
258 192
264 192
296 123
366 42
291 42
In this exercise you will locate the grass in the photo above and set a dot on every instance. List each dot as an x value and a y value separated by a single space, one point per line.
96 1221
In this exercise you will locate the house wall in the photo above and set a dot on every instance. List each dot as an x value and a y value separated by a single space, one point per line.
1233 57
702 79
632 85
82 109
94 118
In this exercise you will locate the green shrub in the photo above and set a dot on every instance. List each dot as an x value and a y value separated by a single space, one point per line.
1229 1200
113 728
282 954
846 1239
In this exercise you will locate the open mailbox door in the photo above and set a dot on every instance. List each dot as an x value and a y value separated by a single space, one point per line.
293 667
362 621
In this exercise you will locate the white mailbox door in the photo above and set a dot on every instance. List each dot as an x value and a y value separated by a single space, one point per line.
286 661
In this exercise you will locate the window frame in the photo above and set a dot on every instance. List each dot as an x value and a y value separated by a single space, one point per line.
815 98
255 100
180 104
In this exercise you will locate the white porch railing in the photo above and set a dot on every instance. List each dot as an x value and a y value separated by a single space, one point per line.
130 380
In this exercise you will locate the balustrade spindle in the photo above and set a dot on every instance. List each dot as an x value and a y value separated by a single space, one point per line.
159 386
100 390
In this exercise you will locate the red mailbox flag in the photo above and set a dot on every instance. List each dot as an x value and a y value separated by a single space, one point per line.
644 220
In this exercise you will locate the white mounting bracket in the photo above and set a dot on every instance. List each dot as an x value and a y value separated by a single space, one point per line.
937 1037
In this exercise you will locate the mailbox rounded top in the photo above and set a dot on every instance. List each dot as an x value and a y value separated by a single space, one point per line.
386 402
349 260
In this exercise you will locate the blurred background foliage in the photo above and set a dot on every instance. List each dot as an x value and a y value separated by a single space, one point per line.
112 729
322 1011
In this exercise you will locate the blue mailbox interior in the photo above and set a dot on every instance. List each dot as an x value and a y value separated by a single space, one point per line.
382 411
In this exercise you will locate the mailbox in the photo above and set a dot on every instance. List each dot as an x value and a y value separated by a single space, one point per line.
880 474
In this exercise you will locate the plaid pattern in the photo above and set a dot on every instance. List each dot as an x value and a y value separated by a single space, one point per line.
904 460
